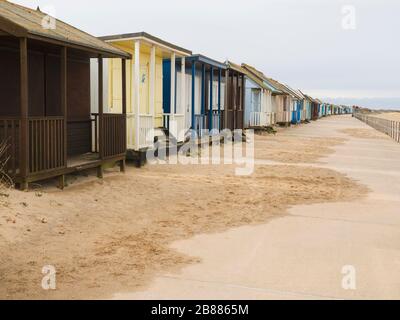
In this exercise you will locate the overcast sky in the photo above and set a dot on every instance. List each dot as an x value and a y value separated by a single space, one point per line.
318 46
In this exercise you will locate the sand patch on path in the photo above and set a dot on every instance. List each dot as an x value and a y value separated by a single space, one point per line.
114 235
365 133
294 149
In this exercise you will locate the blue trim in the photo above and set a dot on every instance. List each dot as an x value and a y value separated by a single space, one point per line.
210 116
206 60
167 86
219 97
193 92
203 88
176 91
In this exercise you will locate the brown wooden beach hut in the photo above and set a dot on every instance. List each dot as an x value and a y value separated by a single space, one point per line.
45 115
235 93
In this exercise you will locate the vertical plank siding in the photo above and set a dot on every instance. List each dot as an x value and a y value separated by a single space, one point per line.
235 101
114 134
46 144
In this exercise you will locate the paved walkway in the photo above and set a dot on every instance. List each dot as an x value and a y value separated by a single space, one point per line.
301 256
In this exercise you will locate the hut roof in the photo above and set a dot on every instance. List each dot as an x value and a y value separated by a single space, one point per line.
234 66
19 21
146 37
207 60
253 73
280 86
293 92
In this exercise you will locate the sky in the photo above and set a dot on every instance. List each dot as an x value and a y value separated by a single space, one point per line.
345 51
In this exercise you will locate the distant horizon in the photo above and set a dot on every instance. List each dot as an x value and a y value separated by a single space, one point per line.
371 103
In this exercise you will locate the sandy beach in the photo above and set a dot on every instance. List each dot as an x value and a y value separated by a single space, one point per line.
394 116
306 253
117 234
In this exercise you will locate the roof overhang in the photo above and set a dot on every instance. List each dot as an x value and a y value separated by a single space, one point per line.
148 38
235 67
203 59
11 28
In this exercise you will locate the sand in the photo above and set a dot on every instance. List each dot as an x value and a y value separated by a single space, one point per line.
283 148
365 133
394 116
113 235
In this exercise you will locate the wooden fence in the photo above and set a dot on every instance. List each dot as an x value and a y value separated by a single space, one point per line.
113 134
389 127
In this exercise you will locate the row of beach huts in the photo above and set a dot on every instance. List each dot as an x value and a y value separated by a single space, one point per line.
71 101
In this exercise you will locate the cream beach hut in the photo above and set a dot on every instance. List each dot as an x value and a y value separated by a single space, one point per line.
145 116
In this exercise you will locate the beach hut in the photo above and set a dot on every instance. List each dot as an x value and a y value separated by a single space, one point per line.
328 109
335 110
296 104
204 102
301 112
313 108
149 109
308 106
258 99
348 110
234 101
272 103
323 109
308 103
283 103
45 115
316 109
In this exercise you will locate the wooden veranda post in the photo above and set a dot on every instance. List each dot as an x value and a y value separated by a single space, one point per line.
63 81
101 105
227 98
173 86
24 143
203 90
242 100
193 95
219 99
152 79
123 105
136 93
210 118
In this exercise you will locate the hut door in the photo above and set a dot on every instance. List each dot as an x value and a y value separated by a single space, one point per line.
256 100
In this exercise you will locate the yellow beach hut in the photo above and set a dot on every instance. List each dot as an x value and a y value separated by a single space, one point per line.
144 82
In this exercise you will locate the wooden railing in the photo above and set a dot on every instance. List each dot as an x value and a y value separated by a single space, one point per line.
283 117
46 144
215 120
199 124
258 119
388 127
146 131
9 135
271 118
113 134
177 126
